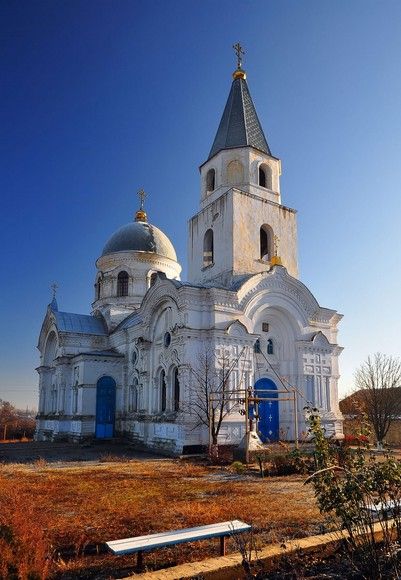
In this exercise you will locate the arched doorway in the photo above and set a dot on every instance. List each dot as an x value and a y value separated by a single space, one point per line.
105 407
268 424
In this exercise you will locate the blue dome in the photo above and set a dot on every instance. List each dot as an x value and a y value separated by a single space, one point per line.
140 236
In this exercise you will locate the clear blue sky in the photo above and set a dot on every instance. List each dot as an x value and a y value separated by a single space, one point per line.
102 97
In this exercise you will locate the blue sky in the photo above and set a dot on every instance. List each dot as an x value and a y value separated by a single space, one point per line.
100 98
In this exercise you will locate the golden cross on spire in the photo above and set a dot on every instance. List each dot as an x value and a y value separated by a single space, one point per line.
54 287
142 195
239 52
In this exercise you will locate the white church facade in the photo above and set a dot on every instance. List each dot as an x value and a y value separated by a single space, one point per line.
134 367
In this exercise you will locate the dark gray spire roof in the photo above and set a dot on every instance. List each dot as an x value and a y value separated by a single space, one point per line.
239 125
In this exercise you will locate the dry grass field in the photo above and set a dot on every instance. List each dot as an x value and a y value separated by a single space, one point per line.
55 519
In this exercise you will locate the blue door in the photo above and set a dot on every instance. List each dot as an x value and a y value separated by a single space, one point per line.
105 407
268 425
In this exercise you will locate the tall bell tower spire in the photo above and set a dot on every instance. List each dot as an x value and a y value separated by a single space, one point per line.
241 217
239 125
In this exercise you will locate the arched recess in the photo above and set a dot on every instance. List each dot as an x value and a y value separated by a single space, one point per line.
265 176
50 349
266 243
208 248
133 398
161 322
268 411
105 407
284 331
210 180
293 305
122 283
235 172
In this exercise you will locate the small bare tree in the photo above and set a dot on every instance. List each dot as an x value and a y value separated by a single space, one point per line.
378 381
210 390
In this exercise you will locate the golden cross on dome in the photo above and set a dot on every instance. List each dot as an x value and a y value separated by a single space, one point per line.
142 194
54 287
239 52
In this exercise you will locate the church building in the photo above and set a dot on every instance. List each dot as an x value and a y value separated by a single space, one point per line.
140 366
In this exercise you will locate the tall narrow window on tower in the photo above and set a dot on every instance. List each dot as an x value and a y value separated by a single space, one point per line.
265 176
266 243
122 284
208 254
262 177
210 180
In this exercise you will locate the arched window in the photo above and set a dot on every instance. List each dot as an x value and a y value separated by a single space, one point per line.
256 346
122 284
163 392
98 289
266 243
270 348
208 256
176 390
265 176
210 180
262 177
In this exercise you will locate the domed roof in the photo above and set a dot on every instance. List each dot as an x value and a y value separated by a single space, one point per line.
140 236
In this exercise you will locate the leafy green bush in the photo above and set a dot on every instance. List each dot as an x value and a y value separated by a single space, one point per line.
238 467
347 483
290 462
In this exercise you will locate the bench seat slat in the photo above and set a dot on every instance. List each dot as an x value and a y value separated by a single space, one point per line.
150 542
381 507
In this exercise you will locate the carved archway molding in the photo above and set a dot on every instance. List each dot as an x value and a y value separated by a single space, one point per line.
277 288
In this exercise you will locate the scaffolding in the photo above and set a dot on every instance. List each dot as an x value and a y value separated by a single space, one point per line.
251 400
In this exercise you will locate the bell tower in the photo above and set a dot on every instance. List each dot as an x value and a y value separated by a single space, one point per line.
242 227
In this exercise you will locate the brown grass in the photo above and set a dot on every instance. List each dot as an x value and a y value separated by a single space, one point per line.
51 516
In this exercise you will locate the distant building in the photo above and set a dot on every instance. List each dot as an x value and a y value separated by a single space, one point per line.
127 369
354 410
